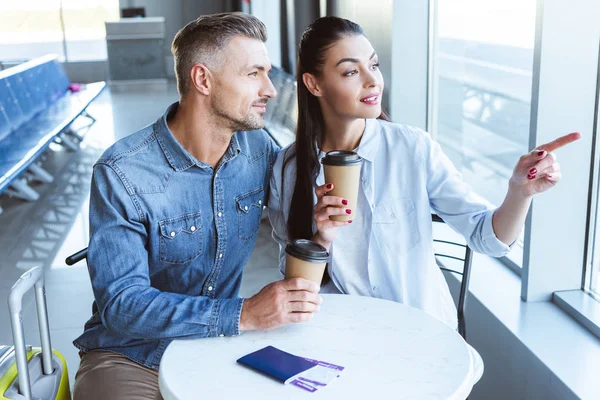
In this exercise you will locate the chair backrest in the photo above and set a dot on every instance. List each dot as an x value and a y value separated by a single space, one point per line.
455 251
28 89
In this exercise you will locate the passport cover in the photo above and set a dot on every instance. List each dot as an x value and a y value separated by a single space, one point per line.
276 363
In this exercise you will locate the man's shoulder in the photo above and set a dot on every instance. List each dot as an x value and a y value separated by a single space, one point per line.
129 146
256 143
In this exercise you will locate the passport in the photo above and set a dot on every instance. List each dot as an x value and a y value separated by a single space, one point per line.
305 373
276 363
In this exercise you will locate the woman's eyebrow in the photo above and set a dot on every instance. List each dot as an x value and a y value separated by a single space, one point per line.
354 60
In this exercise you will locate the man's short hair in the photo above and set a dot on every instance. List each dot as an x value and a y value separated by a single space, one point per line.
201 41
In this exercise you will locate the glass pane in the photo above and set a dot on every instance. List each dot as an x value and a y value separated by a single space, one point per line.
29 29
482 89
593 278
84 27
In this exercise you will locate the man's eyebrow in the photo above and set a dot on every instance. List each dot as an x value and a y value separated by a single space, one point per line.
258 67
354 60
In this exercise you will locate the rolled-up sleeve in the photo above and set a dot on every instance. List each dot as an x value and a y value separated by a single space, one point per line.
459 206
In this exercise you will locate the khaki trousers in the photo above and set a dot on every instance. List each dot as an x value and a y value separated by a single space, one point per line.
104 375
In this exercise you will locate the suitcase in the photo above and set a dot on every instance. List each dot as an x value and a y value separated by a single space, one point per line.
29 373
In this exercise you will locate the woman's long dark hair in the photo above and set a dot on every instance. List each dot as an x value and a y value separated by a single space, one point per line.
316 40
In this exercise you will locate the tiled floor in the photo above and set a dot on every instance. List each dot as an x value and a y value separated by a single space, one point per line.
45 232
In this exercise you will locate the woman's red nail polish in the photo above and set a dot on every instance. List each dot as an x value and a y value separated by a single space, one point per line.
348 211
540 153
345 202
350 221
329 186
549 176
532 171
530 177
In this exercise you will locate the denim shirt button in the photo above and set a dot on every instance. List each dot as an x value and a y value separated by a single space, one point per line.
193 228
210 288
172 234
245 208
219 214
221 255
221 335
260 202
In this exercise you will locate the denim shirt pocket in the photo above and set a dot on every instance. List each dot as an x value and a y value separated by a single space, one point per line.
181 238
395 225
249 206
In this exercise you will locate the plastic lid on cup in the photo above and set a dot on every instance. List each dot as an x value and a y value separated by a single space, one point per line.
307 250
341 158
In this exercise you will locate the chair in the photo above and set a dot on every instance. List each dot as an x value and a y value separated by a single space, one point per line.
465 273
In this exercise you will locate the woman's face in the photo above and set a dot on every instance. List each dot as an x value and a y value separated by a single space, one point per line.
350 84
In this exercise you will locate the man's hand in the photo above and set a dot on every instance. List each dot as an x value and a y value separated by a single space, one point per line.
280 303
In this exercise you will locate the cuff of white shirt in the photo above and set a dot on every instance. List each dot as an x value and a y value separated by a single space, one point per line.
493 246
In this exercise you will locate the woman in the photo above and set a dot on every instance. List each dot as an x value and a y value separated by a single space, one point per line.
386 251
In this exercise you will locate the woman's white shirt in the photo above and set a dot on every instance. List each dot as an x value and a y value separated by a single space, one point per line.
404 176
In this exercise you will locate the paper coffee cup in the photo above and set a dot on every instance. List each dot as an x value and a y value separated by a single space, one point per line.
305 259
342 168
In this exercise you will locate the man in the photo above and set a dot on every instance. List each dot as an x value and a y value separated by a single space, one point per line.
174 214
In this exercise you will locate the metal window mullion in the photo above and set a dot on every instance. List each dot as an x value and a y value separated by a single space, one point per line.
432 77
64 34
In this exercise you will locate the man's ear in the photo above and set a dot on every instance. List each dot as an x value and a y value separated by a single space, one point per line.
310 81
201 78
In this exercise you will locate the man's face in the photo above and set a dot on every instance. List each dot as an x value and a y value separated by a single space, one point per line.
242 86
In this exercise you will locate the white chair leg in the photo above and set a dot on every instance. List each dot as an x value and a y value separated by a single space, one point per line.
39 174
21 190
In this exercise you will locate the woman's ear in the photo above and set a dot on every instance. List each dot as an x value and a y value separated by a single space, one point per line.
311 84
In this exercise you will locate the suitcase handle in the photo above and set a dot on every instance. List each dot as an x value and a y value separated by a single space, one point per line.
31 278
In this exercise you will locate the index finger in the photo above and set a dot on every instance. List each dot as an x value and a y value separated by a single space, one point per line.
302 284
322 190
560 142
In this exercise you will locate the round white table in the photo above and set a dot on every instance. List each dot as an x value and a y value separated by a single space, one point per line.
389 350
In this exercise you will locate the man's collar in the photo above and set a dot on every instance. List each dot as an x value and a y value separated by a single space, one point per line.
179 158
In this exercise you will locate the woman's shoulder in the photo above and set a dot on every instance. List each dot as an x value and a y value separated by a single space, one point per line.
399 131
407 137
285 160
285 155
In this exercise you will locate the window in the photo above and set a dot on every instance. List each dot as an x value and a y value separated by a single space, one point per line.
592 280
481 89
84 27
73 29
30 29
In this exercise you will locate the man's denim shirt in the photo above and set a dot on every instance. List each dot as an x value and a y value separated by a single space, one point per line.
169 239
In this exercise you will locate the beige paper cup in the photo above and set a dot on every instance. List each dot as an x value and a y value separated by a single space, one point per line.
306 259
342 168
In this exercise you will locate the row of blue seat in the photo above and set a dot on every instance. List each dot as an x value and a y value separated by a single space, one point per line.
26 90
36 106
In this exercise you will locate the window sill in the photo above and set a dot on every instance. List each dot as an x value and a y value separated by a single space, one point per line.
581 306
568 350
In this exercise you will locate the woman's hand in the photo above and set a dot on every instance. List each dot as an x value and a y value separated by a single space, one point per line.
326 206
538 170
